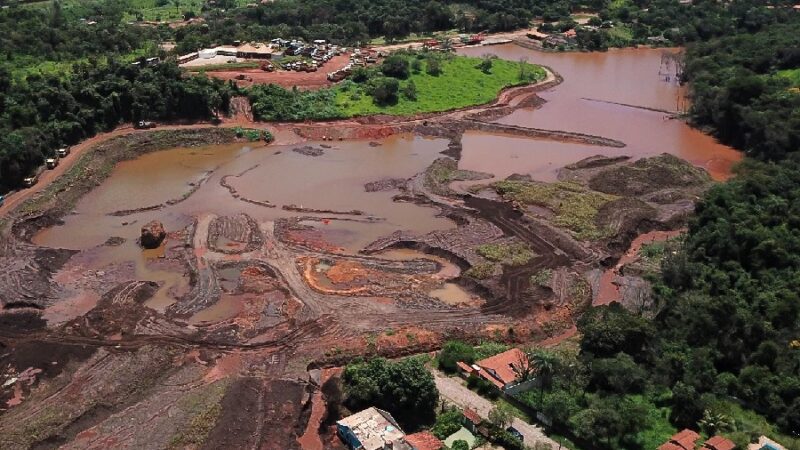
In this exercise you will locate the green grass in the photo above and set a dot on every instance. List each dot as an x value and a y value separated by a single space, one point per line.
574 206
489 348
747 424
224 67
459 85
660 429
480 271
514 254
792 75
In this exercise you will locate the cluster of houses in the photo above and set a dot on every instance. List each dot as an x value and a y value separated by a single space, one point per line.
376 429
688 440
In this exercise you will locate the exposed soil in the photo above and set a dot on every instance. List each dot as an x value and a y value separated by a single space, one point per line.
224 363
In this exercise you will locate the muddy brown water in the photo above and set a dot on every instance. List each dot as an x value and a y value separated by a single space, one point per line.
588 101
591 100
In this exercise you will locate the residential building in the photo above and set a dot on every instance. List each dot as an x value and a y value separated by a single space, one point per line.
502 370
765 443
372 429
718 443
684 440
424 440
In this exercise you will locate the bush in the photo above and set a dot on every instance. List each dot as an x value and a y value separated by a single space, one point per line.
383 90
433 67
460 445
447 423
453 352
395 66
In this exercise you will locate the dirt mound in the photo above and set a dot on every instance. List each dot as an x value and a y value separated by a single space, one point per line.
593 162
152 235
386 184
234 234
649 175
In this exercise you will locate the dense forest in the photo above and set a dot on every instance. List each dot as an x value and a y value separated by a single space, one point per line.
740 89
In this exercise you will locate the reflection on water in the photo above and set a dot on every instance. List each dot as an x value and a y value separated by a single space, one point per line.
627 76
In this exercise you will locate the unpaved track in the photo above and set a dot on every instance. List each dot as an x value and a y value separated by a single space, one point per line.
455 392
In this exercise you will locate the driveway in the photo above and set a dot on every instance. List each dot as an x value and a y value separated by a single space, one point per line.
454 392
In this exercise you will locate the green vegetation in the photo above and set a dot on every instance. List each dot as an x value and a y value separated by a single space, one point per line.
447 423
226 66
740 87
404 388
461 83
207 409
575 207
512 254
453 352
542 278
481 271
489 348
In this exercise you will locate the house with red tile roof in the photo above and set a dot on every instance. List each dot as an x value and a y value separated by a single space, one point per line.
719 443
684 440
501 370
424 440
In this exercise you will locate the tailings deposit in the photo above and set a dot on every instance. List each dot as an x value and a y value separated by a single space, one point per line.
358 239
624 94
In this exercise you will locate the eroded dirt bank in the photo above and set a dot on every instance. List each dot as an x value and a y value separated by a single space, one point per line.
284 258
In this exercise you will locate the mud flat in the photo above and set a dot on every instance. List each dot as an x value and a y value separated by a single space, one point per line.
266 272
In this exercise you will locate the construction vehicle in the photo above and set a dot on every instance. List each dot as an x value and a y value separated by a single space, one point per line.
473 39
51 163
62 152
144 125
268 67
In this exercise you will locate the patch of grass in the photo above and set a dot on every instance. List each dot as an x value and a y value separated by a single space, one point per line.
574 206
459 85
793 75
513 254
489 348
542 278
620 35
748 424
660 428
204 407
225 66
480 271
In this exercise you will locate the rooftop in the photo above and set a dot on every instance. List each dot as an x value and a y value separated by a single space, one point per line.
684 440
424 441
719 443
375 429
501 366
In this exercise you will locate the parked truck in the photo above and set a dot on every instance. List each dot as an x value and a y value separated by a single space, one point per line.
62 152
51 163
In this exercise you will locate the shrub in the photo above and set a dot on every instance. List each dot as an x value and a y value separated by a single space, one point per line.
453 352
395 66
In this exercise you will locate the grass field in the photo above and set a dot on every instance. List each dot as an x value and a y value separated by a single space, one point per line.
791 74
459 85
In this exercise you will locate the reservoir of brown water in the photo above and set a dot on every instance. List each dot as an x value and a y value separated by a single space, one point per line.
623 94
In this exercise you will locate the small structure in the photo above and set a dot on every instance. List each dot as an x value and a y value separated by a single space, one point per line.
765 443
424 440
472 420
372 429
501 370
254 51
684 440
718 443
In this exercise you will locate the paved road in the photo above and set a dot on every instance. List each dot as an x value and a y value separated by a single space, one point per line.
453 391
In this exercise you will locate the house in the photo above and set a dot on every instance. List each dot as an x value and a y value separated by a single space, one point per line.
424 440
254 51
372 429
500 370
537 35
718 443
472 420
684 440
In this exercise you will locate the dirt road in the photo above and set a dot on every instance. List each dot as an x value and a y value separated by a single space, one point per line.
453 391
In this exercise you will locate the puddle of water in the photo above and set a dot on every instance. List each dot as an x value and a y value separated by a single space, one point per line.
227 307
452 294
